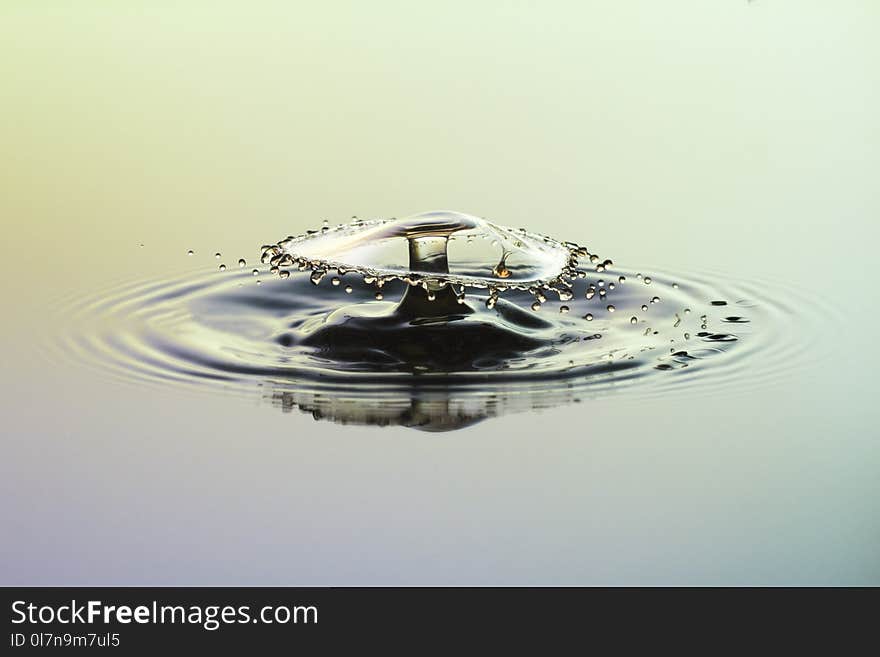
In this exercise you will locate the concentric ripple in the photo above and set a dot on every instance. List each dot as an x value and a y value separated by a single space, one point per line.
621 331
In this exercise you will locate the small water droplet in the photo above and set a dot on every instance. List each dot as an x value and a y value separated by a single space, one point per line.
647 280
241 262
255 272
644 308
259 282
655 300
222 267
190 252
284 274
348 289
633 320
217 255
611 308
589 317
335 281
536 306
563 309
501 270
379 296
431 296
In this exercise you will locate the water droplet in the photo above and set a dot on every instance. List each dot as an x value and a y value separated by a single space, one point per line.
647 280
259 282
241 262
644 308
655 300
431 296
501 270
284 274
379 296
335 281
190 252
255 272
217 255
222 267
348 289
611 309
589 317
621 279
536 306
633 320
563 309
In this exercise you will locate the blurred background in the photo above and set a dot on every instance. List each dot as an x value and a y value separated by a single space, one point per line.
726 134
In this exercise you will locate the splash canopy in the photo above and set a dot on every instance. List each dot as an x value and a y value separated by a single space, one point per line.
451 247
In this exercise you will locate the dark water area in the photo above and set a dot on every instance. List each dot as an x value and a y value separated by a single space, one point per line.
334 351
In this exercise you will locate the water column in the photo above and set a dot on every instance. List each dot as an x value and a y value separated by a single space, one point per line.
428 239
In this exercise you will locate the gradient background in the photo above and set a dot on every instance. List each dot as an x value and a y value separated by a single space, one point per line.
684 134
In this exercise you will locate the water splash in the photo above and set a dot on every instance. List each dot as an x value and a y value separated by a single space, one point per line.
434 321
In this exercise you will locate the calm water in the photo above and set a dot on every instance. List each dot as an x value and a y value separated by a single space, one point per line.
730 148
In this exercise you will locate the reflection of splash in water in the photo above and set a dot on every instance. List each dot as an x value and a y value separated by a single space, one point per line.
222 330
